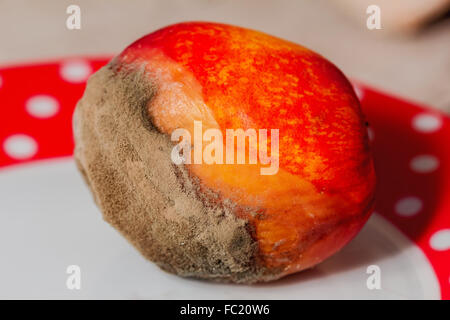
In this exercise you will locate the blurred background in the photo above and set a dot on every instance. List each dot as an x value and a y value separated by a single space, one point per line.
409 56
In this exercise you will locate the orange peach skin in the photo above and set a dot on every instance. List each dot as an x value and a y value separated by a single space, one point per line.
230 78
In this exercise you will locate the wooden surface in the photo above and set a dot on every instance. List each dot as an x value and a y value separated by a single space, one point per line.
415 66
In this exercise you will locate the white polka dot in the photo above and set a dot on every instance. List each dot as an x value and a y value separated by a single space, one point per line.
371 134
426 123
440 241
424 163
408 207
42 106
20 146
359 91
75 71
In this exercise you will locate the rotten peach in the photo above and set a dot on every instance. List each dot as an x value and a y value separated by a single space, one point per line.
223 220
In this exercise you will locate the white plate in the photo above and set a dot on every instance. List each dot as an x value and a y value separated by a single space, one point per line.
48 221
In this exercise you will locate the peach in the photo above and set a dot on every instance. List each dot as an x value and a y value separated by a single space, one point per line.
226 221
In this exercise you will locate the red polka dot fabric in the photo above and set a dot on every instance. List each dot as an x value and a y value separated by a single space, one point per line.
409 142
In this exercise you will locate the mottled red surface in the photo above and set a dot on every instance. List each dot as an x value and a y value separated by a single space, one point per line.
278 84
323 192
